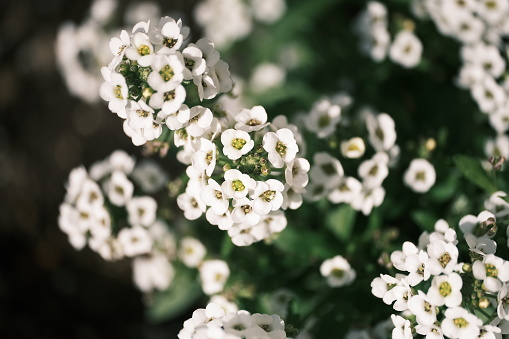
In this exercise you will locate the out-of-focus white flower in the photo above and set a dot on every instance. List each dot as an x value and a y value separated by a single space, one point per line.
420 176
152 273
213 275
191 252
266 76
338 271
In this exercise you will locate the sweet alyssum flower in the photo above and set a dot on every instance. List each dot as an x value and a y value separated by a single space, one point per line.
420 176
338 271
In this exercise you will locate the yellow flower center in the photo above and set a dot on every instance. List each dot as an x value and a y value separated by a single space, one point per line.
144 50
237 185
445 289
460 322
166 73
238 143
118 92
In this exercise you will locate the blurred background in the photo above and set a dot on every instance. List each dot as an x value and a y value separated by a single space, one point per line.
47 288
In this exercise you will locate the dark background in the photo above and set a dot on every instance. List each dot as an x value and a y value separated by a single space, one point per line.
48 289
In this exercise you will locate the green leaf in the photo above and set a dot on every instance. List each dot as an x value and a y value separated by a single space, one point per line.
305 243
425 220
473 171
183 292
340 221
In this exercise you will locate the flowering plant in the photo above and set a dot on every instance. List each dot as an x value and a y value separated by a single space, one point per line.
293 192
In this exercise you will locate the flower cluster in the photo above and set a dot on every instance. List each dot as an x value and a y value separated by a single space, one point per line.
327 175
480 27
103 208
82 49
154 83
440 296
243 174
215 322
372 27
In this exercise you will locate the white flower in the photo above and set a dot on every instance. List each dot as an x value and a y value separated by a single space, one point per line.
191 203
141 49
346 191
477 226
142 211
497 147
323 118
194 63
213 275
398 258
420 176
296 172
497 204
381 287
267 196
442 257
402 329
374 171
241 235
116 92
134 241
326 170
489 95
222 220
191 252
237 185
281 146
367 199
382 131
493 270
166 69
416 264
243 212
212 195
353 148
266 76
117 48
274 222
140 115
200 119
169 98
503 304
119 189
446 290
406 49
459 323
236 143
338 271
152 272
178 119
168 35
149 175
250 120
421 306
205 158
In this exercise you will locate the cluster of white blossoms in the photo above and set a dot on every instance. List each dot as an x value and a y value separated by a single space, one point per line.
327 176
157 85
226 21
480 27
372 27
215 322
337 271
82 49
103 208
242 172
442 297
